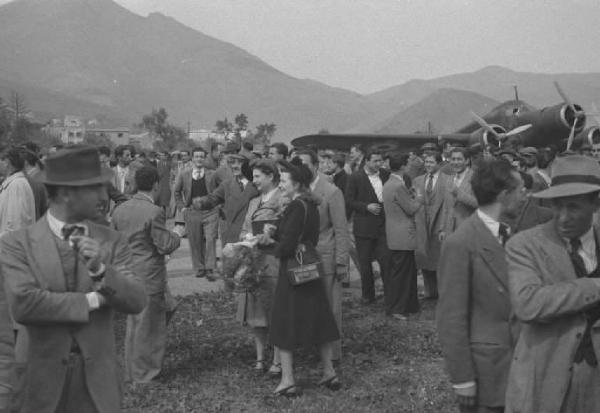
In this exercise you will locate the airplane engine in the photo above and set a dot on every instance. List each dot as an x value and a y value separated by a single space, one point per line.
589 136
551 126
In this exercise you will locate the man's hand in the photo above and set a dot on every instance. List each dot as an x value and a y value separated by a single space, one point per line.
89 249
374 209
198 203
179 230
467 396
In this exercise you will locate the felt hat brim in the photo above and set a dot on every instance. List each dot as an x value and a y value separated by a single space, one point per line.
105 176
567 189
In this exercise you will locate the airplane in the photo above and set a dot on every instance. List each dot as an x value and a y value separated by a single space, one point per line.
511 124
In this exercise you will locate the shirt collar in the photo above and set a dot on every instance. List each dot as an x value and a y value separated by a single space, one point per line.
266 197
56 225
313 184
398 177
588 241
370 175
490 223
145 197
11 178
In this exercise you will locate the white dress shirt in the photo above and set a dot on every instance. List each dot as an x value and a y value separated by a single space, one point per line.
197 173
376 183
459 178
121 174
587 251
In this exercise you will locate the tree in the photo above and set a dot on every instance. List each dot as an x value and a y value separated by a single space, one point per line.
168 135
223 126
241 122
264 132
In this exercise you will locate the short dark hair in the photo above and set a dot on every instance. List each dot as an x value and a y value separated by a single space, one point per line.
267 167
490 177
146 177
359 148
298 172
199 149
398 160
29 156
15 158
281 148
119 150
373 151
104 150
339 159
457 149
435 155
314 159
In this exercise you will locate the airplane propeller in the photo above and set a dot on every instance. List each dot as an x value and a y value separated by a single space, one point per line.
499 135
569 102
572 134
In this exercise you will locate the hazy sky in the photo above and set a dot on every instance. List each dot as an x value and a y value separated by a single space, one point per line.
367 45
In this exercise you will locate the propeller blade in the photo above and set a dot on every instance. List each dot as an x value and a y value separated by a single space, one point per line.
484 124
572 135
518 129
561 92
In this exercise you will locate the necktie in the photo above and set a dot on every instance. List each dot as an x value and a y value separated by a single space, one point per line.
241 184
429 186
576 259
503 233
72 229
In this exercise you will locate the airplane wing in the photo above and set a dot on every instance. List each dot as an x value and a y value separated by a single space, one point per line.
402 142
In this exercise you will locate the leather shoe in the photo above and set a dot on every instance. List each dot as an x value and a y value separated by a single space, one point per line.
200 273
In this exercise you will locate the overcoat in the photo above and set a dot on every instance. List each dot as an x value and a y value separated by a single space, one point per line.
476 326
235 205
549 300
54 317
400 208
429 221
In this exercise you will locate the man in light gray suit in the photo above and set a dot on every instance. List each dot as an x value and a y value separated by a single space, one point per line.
334 238
400 281
459 201
476 326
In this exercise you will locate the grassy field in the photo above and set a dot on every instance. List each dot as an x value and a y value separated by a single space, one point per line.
388 365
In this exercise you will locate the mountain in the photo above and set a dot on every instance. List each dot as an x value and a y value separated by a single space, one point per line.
497 83
107 59
446 109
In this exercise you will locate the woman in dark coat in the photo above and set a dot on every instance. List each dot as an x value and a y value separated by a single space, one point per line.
301 315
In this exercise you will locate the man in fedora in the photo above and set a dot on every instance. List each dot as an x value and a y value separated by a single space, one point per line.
555 291
65 277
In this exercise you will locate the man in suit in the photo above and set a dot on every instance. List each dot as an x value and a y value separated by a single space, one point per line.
123 177
364 198
65 277
234 194
334 238
163 167
554 281
459 201
201 226
143 223
432 187
400 282
476 327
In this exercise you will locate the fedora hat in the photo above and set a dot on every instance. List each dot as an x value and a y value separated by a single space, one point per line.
78 166
572 175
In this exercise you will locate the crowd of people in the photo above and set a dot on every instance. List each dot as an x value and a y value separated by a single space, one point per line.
504 241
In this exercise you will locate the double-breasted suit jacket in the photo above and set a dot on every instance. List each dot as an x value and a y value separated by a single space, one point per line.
549 299
400 209
235 205
359 194
476 326
429 220
459 202
37 293
334 237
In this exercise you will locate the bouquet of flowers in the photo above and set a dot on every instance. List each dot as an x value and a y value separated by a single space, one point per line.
242 268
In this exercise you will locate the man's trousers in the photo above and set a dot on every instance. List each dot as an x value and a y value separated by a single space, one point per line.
201 227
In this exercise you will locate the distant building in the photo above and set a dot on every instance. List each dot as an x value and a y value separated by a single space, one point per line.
118 136
69 130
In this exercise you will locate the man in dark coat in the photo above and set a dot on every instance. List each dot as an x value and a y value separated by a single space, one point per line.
364 198
476 326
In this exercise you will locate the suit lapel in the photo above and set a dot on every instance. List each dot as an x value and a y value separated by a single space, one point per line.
367 184
491 251
187 181
45 253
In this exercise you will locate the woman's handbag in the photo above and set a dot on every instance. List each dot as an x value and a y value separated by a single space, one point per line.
305 265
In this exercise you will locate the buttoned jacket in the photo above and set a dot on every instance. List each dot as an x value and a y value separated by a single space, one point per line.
429 221
359 194
458 205
144 226
549 299
334 236
183 186
400 209
37 294
476 326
